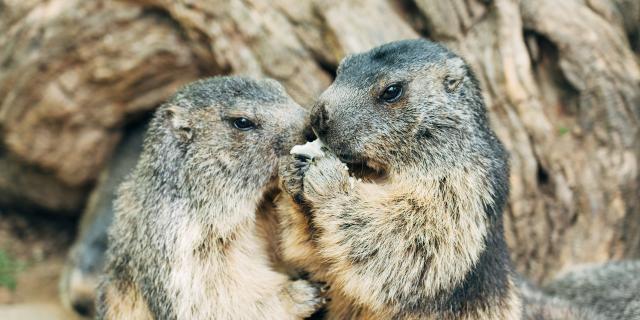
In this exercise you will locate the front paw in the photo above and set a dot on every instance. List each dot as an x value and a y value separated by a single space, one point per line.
292 171
306 297
326 177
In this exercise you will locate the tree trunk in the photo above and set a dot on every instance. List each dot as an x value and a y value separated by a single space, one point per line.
561 80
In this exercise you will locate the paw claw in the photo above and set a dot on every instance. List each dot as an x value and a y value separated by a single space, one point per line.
301 157
298 198
300 164
306 297
324 287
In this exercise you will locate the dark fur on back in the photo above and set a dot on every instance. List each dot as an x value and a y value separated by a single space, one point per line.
611 289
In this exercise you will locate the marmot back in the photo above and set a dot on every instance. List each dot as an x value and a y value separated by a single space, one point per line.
185 243
611 289
80 276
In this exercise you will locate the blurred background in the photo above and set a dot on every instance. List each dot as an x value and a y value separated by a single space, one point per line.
78 79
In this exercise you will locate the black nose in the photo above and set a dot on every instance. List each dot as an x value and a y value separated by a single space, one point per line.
84 307
309 135
319 119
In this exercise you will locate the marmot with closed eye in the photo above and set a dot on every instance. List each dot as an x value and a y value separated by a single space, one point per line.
188 239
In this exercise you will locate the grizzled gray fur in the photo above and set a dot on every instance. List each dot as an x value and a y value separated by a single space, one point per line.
80 277
189 240
611 289
422 237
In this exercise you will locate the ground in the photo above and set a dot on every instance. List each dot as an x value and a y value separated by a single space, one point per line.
32 252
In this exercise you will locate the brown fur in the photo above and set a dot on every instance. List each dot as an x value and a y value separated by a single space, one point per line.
126 304
357 291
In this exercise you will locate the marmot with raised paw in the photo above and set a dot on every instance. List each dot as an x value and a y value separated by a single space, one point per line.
411 227
188 241
421 235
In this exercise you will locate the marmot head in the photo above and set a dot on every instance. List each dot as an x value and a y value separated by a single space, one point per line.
224 134
404 101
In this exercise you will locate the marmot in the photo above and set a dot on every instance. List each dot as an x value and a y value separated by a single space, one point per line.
423 236
187 242
80 276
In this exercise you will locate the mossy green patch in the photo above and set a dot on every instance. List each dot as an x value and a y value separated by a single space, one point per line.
563 130
9 269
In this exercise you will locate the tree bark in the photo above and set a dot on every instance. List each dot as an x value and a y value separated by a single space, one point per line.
561 80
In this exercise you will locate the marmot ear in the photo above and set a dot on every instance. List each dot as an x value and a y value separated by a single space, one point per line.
275 84
178 124
456 71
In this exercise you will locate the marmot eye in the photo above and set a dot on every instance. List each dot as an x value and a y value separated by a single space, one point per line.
243 124
392 93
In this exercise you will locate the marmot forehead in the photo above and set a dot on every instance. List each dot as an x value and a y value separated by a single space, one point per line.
229 91
406 55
